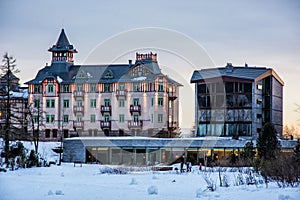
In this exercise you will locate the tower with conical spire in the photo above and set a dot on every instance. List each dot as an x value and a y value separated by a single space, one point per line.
62 51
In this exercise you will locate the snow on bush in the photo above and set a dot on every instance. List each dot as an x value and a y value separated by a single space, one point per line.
284 197
199 193
225 181
154 177
152 190
133 182
59 192
50 192
111 170
62 174
211 184
122 169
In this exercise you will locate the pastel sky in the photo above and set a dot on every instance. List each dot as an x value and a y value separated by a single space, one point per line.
259 33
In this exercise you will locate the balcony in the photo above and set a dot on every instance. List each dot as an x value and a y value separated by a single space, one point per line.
135 124
105 124
78 125
172 125
121 93
135 108
105 109
78 93
172 96
78 109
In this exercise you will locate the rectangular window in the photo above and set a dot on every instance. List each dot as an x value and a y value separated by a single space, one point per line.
152 118
152 101
136 87
93 103
54 133
106 87
121 118
50 103
93 87
135 118
79 103
202 89
66 118
47 133
79 118
50 88
36 103
121 102
259 87
93 118
66 103
47 118
106 118
121 86
160 87
37 89
160 118
50 119
35 119
160 102
79 87
136 101
66 88
106 102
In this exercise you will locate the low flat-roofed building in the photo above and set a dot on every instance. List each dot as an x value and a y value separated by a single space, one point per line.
151 151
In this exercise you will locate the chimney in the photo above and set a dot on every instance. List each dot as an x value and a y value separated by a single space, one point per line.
229 68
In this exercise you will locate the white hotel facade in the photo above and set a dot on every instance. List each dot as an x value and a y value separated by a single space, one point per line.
134 99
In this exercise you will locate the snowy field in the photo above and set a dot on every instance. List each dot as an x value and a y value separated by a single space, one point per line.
87 182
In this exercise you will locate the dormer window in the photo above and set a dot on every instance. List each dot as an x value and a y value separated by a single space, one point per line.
81 75
108 74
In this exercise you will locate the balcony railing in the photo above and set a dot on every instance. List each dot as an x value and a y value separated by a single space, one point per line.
77 109
78 125
172 125
135 108
105 109
135 124
105 124
172 96
121 93
78 93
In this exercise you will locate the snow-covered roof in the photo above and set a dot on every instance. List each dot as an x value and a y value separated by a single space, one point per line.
199 142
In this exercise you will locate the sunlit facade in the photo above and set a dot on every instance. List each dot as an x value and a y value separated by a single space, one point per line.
134 99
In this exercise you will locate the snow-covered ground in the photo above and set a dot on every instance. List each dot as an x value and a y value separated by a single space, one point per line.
86 182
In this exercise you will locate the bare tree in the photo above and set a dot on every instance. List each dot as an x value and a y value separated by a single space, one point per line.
289 132
35 119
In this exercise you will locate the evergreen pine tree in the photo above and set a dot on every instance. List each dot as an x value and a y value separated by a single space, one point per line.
268 145
8 69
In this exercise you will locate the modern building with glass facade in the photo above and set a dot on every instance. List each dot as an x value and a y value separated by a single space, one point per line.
237 101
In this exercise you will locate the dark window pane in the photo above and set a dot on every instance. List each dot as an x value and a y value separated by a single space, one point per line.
247 87
229 87
202 89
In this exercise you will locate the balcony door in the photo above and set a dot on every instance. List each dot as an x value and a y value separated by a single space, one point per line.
106 102
106 118
135 101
